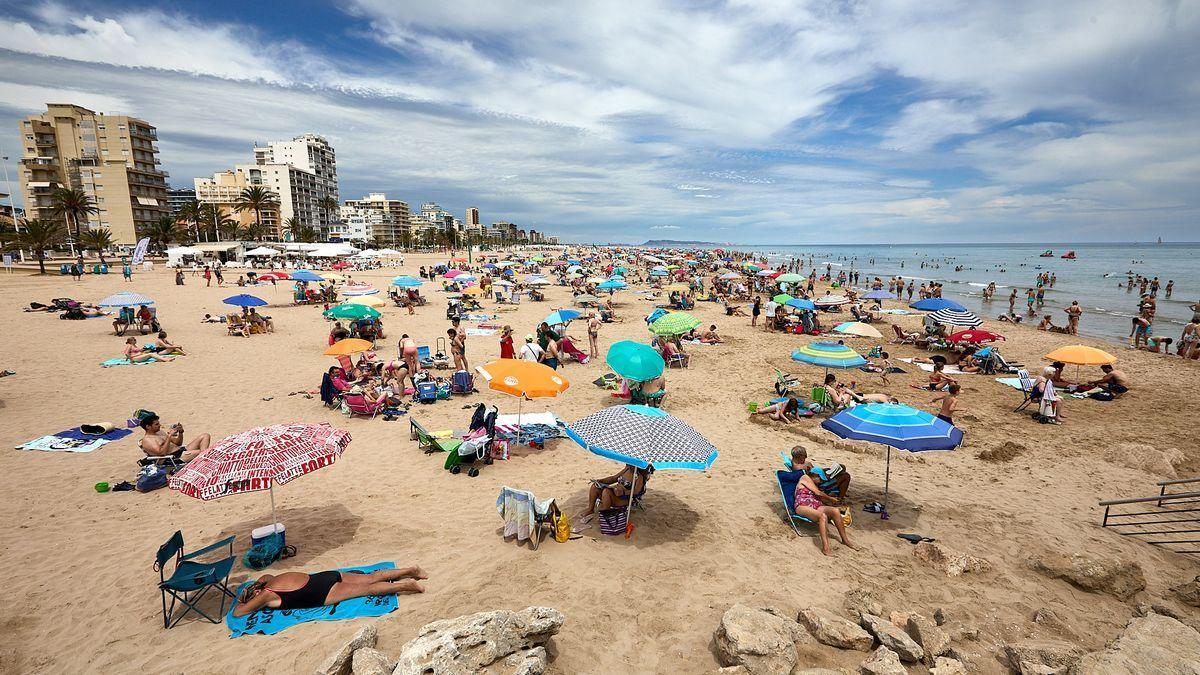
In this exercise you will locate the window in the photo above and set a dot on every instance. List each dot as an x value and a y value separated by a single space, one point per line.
29 137
104 151
99 200
100 127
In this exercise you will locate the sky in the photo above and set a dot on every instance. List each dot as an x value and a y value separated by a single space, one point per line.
740 121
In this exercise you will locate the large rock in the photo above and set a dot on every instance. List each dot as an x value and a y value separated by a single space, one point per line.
370 661
882 661
1119 578
470 643
1150 644
933 640
527 662
762 640
1026 656
338 662
944 665
1188 592
891 636
952 563
831 629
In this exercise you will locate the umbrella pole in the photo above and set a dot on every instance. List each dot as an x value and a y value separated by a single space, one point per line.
520 404
886 482
274 520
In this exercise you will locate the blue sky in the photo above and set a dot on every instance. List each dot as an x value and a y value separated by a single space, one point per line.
740 121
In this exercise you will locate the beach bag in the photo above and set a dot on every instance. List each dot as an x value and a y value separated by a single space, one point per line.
151 477
462 382
1102 396
427 392
443 390
264 553
562 527
613 521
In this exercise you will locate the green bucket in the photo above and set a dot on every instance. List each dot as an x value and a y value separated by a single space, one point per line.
101 487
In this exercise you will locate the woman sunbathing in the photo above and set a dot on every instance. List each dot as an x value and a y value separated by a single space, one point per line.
818 507
135 354
297 590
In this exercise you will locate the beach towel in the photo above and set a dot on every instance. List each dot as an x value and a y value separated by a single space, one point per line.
892 311
73 440
125 362
928 367
482 332
1014 382
519 510
480 317
107 436
272 621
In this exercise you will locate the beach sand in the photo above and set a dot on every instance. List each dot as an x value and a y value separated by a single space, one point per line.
81 593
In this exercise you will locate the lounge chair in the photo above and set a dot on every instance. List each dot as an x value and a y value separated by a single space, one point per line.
785 383
903 338
543 513
424 358
236 325
190 580
358 404
788 480
428 442
1027 390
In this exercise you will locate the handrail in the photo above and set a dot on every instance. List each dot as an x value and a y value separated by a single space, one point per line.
1179 481
1156 498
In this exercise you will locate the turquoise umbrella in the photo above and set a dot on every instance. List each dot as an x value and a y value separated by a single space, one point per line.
634 361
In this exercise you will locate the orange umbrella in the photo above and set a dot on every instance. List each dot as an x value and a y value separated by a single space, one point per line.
347 347
1081 355
523 379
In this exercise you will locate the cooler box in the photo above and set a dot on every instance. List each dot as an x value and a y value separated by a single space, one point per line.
261 533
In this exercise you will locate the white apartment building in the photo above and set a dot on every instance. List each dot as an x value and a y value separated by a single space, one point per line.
360 224
313 155
397 218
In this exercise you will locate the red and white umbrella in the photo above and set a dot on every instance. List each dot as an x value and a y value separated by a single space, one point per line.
353 290
259 458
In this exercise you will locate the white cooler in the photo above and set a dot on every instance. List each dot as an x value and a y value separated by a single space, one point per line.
261 533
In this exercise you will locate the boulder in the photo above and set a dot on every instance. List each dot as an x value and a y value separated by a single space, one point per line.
527 662
940 616
1149 644
1048 619
1121 579
471 643
831 629
891 636
370 661
762 640
952 563
339 662
1188 592
944 665
933 640
882 661
1025 656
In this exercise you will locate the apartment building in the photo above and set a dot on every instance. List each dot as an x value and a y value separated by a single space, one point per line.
111 158
177 198
223 191
357 223
398 221
312 154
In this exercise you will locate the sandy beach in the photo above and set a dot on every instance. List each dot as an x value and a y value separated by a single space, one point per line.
81 591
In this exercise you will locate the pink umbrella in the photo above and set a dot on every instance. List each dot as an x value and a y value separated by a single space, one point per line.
453 273
259 458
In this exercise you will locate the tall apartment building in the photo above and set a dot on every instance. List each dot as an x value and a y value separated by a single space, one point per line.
359 223
112 158
313 154
178 197
223 190
399 219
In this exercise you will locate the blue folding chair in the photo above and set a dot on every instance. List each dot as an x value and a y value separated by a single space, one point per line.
424 357
787 488
191 580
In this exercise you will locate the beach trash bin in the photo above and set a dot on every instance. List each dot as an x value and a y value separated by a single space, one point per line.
104 269
64 269
260 534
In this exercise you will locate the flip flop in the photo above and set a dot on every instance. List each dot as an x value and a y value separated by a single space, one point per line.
914 538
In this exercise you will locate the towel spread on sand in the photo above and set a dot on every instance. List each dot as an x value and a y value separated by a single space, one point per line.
892 311
125 362
1014 382
928 367
73 440
483 332
272 621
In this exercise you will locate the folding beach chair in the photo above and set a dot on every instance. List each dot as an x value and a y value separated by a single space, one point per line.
1027 390
424 358
543 513
190 581
428 442
784 383
787 489
357 404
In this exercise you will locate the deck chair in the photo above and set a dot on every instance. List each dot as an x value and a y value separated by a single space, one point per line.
787 489
428 442
543 513
424 357
358 404
1030 396
785 383
903 338
191 580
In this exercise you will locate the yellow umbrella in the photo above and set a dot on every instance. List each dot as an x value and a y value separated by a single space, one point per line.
857 328
472 290
1081 355
331 276
368 300
347 347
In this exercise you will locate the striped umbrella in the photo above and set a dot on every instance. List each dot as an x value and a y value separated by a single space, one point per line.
674 323
353 290
896 426
828 354
259 458
125 299
956 317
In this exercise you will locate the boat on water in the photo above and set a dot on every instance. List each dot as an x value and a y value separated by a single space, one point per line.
1069 255
1047 254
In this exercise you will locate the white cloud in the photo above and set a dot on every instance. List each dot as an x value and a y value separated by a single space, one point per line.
664 227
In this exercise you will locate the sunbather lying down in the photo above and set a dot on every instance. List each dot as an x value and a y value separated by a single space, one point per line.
298 590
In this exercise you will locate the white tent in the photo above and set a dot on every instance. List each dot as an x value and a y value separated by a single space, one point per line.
388 251
262 250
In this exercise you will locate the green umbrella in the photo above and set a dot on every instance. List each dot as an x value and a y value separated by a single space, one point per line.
674 323
782 298
352 312
789 278
634 360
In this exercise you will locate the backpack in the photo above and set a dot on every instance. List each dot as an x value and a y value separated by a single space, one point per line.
151 477
462 382
427 392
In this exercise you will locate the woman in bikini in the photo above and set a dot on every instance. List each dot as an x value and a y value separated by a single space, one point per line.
408 350
135 354
593 328
614 491
297 590
818 507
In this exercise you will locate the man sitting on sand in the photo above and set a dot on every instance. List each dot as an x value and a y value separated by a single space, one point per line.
1114 382
710 336
298 590
159 443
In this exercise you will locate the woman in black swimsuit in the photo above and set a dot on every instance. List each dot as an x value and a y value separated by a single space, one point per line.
297 590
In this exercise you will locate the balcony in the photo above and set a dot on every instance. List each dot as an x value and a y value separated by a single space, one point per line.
143 132
45 139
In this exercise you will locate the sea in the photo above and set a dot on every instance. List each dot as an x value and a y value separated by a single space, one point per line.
1096 277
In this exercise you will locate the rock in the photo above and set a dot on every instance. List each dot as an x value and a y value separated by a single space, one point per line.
732 670
1150 644
370 661
933 640
891 636
830 629
527 662
762 640
882 661
1118 578
944 665
470 643
1188 593
1024 655
900 618
818 671
339 662
950 562
940 616
1048 619
861 601
965 634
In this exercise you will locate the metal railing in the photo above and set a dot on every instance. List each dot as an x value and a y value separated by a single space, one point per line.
1169 515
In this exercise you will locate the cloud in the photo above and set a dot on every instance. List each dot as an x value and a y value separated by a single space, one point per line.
664 227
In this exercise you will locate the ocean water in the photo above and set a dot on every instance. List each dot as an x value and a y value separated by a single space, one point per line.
1096 278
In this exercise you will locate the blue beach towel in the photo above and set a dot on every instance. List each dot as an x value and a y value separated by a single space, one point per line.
125 362
109 436
272 621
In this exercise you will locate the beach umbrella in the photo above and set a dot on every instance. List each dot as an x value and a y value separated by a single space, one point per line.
782 298
244 300
612 285
975 336
305 275
619 270
406 281
857 328
829 355
348 346
353 290
800 303
352 312
634 360
674 323
585 298
896 426
278 275
934 304
829 300
125 299
340 265
259 458
473 290
331 276
1081 355
458 260
731 275
523 379
453 273
789 278
465 278
879 295
367 300
262 250
768 273
539 281
561 316
956 317
503 283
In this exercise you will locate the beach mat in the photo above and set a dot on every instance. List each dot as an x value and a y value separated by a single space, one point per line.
272 621
125 362
928 367
1014 382
73 440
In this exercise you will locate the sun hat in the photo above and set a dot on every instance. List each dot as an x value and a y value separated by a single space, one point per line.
529 338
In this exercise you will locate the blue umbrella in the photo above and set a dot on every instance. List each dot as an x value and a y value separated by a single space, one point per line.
612 285
406 281
305 275
879 295
828 354
896 426
562 316
934 304
244 300
125 299
800 303
642 436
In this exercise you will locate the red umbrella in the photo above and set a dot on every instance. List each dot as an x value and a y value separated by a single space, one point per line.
276 275
256 459
340 266
975 336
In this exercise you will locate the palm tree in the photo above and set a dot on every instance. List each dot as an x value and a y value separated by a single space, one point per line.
257 199
406 237
328 204
190 212
305 234
40 235
97 239
162 232
75 206
216 222
292 226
